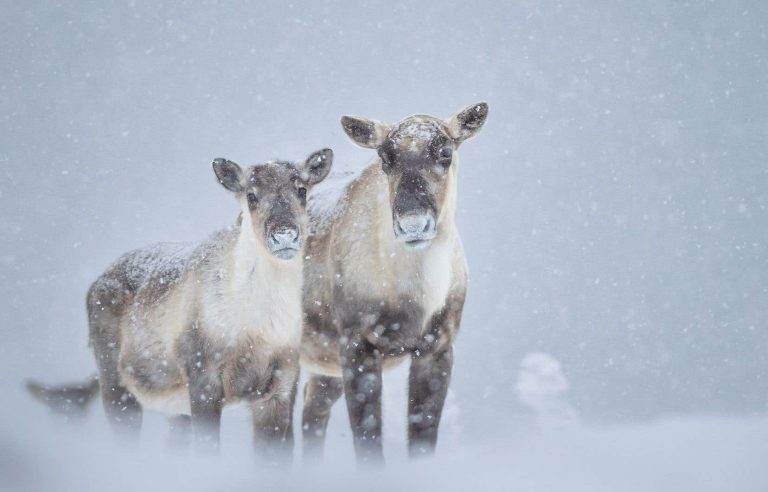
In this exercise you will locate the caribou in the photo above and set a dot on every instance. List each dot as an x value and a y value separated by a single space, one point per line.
385 280
186 330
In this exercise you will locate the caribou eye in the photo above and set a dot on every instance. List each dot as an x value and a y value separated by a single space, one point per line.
252 200
446 153
303 193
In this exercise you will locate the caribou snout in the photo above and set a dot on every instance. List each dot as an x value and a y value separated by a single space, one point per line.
415 230
283 242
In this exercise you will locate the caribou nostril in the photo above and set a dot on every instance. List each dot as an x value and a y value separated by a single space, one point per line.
427 225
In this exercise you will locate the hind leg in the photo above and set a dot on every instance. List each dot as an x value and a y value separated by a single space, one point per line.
320 393
123 410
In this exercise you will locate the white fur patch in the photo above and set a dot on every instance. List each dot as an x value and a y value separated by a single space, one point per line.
261 298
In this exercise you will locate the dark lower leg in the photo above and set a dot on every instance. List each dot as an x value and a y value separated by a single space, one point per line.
123 411
206 417
320 393
273 428
361 364
428 386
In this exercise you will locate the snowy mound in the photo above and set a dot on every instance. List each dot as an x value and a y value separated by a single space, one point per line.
542 386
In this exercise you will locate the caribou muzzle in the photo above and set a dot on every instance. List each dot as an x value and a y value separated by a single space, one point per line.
284 242
414 212
415 230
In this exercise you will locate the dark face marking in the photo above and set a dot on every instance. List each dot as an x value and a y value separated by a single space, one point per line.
416 156
276 198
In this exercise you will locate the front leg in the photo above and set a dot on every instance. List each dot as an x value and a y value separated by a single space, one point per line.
428 385
207 400
206 394
320 393
430 375
273 416
361 368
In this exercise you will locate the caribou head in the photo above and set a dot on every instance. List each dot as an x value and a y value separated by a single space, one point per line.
273 197
417 155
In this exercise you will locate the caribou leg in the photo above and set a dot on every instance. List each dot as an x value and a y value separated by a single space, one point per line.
320 393
362 364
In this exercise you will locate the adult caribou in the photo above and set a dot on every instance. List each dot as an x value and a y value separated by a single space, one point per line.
385 279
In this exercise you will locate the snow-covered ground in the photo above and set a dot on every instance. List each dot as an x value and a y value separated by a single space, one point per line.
671 454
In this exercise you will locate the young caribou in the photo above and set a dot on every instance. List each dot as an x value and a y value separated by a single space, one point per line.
385 281
187 330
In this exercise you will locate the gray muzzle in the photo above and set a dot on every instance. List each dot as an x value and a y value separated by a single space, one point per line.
415 230
284 242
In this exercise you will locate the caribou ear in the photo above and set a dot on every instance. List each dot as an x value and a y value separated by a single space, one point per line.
365 133
316 167
467 123
229 175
